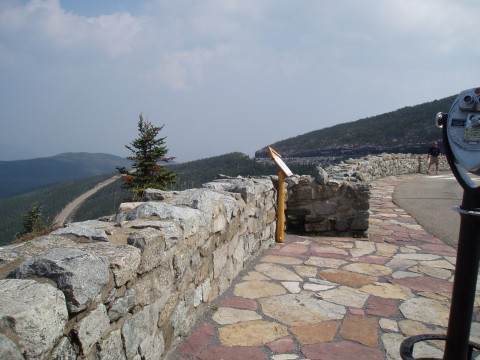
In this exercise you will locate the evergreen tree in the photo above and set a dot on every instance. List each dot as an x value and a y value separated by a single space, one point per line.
148 151
33 221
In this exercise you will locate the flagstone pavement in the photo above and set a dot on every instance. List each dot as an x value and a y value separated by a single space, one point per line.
336 298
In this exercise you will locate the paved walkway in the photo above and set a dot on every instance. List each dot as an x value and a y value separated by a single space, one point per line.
336 298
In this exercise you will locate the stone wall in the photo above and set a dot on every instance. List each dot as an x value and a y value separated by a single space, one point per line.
372 167
336 200
130 287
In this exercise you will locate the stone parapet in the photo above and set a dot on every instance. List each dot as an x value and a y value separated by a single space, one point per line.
335 208
336 200
131 286
372 167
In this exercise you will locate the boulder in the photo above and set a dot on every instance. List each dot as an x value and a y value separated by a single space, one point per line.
33 315
79 275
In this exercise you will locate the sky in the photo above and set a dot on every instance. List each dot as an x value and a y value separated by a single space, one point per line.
221 76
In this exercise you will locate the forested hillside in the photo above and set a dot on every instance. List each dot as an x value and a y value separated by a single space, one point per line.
190 175
407 130
52 199
20 176
195 173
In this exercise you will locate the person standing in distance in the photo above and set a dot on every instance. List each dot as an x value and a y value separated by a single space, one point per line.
433 157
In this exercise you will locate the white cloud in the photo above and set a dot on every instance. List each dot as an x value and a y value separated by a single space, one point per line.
444 26
44 23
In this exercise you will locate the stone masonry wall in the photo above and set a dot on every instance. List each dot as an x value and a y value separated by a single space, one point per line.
130 287
336 200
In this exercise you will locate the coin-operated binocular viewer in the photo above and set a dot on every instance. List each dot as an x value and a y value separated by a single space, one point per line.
461 138
283 172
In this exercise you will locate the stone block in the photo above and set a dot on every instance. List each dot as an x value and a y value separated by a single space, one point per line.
91 328
219 260
112 347
32 313
79 275
153 285
139 331
8 349
151 243
122 305
123 260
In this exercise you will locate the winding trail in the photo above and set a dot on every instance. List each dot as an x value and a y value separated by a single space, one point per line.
69 210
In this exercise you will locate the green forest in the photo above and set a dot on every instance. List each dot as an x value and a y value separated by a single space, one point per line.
52 200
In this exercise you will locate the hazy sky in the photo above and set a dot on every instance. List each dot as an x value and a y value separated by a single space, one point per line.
222 75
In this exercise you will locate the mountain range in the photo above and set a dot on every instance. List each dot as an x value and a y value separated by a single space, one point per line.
407 130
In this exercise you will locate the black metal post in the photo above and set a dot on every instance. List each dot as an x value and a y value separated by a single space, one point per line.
465 281
457 345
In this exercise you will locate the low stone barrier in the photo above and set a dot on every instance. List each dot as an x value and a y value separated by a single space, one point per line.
327 207
336 200
372 167
130 287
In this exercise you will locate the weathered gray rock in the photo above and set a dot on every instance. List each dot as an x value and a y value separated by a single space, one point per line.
34 313
140 330
20 252
152 347
189 219
91 229
211 203
8 349
122 259
91 328
157 195
171 231
64 350
292 180
181 320
249 189
153 284
122 305
78 274
151 242
321 176
112 347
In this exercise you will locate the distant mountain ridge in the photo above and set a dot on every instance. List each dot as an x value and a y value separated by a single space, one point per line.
20 176
407 130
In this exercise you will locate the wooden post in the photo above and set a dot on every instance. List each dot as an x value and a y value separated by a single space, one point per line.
283 172
280 234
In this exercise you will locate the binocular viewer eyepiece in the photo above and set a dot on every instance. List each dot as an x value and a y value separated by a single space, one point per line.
463 129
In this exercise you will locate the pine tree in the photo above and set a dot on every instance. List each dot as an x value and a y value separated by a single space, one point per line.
148 151
33 221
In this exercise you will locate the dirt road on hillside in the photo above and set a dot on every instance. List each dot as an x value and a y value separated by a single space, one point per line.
69 210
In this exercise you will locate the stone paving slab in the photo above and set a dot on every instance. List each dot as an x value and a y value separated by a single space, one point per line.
335 298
